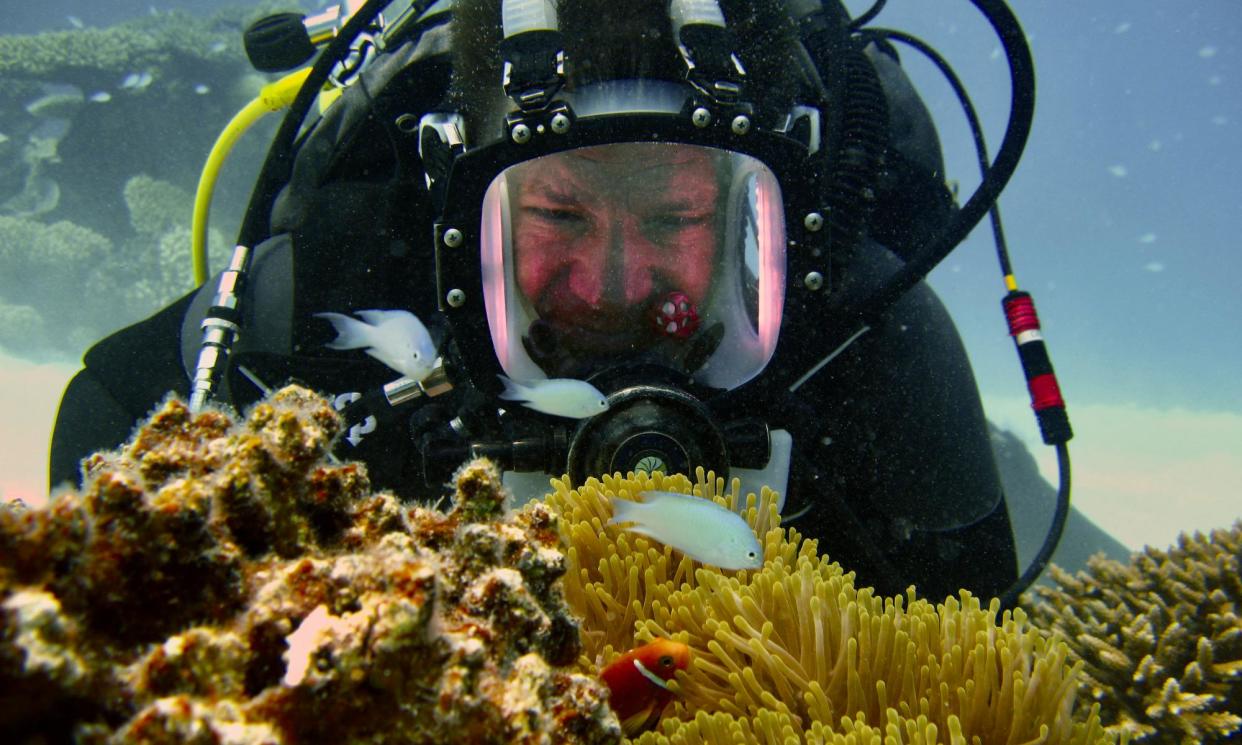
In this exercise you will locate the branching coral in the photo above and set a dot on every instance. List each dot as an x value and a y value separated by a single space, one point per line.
61 279
151 269
45 268
143 41
795 653
222 582
1160 637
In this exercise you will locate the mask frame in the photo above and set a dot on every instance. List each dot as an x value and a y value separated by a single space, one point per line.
458 240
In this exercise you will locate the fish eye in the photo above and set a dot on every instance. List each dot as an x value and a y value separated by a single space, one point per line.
752 555
666 660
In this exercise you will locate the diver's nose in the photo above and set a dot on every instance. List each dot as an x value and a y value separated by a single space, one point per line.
633 270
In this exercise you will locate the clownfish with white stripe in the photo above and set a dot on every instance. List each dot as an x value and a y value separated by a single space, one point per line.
638 682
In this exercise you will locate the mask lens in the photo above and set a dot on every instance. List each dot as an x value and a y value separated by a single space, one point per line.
660 252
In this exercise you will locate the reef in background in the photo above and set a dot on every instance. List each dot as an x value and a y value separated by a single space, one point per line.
1160 637
103 132
222 582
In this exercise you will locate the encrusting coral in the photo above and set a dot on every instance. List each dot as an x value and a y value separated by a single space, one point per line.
223 582
795 653
1160 637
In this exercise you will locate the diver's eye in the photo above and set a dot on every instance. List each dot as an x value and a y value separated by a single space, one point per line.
557 216
668 226
666 660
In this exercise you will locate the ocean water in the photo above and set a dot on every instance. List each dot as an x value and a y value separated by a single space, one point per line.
1122 221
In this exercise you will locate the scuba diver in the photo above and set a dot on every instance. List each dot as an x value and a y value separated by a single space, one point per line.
717 214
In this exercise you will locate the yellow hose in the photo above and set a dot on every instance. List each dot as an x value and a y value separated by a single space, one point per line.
274 97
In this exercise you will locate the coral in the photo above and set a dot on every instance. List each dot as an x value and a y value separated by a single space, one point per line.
153 268
221 581
1160 637
42 260
155 206
142 42
95 120
61 280
794 652
46 268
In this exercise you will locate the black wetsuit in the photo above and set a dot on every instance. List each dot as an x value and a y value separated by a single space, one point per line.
891 453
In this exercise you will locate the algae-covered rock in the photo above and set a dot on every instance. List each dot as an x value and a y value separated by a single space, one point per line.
221 581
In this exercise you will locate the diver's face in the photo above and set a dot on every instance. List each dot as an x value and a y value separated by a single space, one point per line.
602 235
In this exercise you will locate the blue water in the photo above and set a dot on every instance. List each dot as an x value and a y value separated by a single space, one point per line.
1122 218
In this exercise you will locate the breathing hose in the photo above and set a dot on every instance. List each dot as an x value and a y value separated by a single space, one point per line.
274 97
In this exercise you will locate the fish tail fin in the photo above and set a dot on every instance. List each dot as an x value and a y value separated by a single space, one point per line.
642 720
624 511
514 391
350 332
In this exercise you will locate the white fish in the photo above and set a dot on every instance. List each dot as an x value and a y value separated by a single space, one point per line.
75 21
695 526
395 337
144 80
217 47
130 81
101 97
202 89
574 399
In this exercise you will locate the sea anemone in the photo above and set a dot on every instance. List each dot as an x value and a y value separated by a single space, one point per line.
794 652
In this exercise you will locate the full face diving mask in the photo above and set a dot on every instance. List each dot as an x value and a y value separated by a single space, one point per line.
628 234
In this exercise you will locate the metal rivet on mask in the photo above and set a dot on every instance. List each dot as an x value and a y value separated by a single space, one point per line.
813 280
741 124
521 133
407 123
456 298
813 221
701 117
453 237
560 124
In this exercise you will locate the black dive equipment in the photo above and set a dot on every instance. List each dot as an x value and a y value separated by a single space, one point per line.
829 156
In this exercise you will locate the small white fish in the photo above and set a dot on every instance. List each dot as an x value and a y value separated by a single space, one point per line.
395 337
130 81
573 399
217 47
100 97
75 21
695 526
202 89
144 80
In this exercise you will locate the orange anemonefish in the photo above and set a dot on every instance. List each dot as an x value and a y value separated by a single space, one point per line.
638 692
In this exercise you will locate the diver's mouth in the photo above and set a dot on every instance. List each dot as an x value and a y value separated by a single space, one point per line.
607 324
585 338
